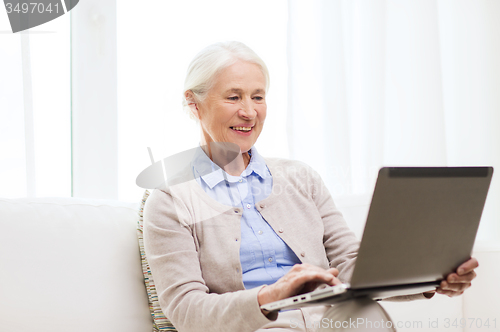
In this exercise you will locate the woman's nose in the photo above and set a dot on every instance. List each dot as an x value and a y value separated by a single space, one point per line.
247 110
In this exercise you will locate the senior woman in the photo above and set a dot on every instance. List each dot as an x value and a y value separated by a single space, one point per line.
247 231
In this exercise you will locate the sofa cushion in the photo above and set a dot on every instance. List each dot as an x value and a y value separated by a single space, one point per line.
71 264
354 208
161 323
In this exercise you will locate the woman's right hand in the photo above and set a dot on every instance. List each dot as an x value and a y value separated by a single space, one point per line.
302 278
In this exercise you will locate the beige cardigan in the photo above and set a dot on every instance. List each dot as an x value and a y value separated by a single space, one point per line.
193 246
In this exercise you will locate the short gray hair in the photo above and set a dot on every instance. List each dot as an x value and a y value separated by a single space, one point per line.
212 60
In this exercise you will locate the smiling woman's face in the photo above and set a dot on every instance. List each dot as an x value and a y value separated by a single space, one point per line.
235 108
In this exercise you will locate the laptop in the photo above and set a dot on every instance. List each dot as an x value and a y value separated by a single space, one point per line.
421 226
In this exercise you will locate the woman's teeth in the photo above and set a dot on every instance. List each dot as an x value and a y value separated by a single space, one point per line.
242 128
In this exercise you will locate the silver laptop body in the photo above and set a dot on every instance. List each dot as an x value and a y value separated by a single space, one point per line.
421 226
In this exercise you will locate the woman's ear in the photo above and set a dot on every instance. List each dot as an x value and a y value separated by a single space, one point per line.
193 106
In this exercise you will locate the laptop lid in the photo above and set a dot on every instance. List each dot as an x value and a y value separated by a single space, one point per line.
421 225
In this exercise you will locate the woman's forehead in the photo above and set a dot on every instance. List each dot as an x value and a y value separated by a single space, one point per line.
241 76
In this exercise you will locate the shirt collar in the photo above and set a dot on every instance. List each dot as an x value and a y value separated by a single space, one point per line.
206 169
212 174
257 164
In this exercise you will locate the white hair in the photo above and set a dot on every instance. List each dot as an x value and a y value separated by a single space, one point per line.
212 60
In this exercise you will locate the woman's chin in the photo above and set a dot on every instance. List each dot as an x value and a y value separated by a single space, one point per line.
245 147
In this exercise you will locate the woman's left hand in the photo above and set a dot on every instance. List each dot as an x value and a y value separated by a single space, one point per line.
456 283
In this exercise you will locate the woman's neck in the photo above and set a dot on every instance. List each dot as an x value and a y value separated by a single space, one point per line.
238 165
226 157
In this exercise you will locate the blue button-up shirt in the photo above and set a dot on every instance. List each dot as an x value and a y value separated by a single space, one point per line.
264 256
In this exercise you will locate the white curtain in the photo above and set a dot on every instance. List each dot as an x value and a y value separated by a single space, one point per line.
35 110
395 83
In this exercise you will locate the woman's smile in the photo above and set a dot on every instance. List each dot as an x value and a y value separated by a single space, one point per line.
242 130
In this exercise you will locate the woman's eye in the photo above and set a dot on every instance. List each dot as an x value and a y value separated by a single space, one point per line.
233 98
259 98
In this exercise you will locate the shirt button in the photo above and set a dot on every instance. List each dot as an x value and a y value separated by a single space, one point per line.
240 180
236 239
270 259
281 230
262 206
260 232
248 206
302 254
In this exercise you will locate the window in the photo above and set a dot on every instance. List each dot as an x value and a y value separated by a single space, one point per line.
35 110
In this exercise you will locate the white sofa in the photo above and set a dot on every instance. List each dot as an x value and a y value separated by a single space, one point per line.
69 264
